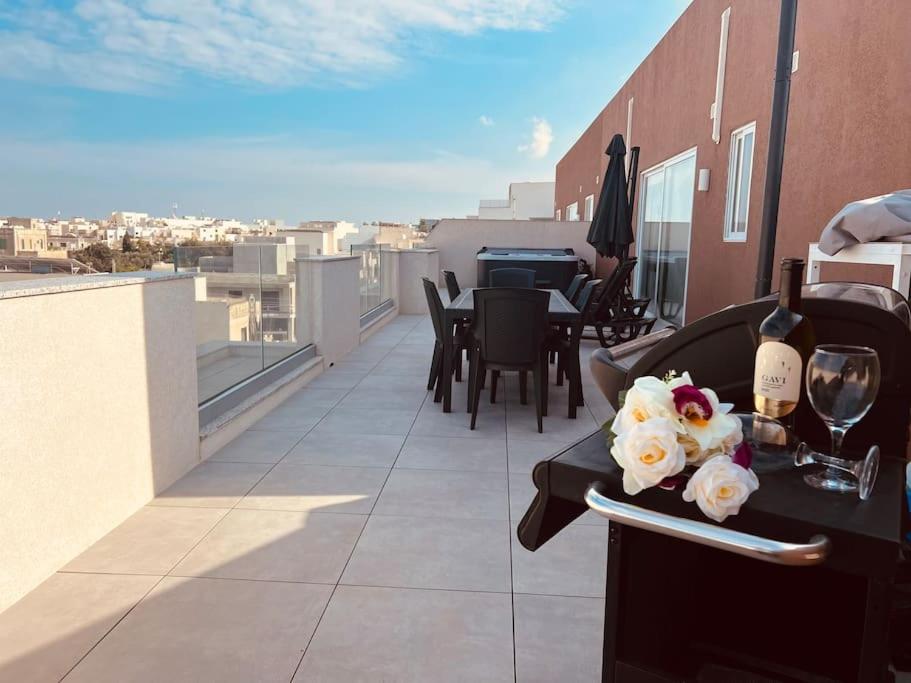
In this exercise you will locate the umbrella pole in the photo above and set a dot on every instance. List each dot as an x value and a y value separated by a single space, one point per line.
633 175
631 181
775 162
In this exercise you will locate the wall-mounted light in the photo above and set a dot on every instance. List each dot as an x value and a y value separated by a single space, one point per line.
704 176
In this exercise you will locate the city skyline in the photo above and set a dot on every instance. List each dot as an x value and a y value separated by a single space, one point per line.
297 113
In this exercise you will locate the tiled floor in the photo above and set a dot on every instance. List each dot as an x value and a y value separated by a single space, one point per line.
356 533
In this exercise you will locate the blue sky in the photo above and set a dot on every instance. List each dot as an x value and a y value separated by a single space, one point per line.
302 109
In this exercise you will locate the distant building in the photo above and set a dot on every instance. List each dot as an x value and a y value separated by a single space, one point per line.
129 219
19 238
526 201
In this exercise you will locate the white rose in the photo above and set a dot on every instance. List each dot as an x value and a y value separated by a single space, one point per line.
649 397
720 487
648 453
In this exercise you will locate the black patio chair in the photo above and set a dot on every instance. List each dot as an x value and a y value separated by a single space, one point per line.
510 332
566 346
452 285
575 287
610 312
461 341
512 277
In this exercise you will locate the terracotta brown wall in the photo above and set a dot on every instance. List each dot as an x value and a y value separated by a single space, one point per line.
849 127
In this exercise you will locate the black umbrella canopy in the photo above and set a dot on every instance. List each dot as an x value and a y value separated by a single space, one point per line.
611 231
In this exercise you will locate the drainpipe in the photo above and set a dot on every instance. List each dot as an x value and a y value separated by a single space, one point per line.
775 161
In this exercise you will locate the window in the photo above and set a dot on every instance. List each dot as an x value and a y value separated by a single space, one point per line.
589 207
740 173
235 293
271 302
572 212
559 216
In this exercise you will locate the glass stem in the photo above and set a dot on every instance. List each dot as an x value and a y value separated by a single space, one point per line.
838 435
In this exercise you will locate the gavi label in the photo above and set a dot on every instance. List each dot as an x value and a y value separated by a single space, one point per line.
777 375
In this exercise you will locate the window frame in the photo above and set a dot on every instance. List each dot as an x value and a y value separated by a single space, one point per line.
589 211
575 210
734 180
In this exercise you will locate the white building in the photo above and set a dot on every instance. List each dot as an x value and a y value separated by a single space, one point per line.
526 201
129 219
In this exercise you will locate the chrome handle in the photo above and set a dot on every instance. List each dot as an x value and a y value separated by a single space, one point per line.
737 542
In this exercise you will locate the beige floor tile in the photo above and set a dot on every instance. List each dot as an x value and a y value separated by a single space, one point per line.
359 420
259 446
192 630
152 541
522 425
572 563
213 484
524 454
270 545
408 398
46 633
435 493
299 425
317 488
353 450
453 453
421 552
411 636
432 421
336 379
558 639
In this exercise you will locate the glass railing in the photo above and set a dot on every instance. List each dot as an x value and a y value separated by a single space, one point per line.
374 275
246 310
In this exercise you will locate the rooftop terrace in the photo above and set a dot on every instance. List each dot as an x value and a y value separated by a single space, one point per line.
356 532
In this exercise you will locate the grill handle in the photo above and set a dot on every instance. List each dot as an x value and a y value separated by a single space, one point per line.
737 542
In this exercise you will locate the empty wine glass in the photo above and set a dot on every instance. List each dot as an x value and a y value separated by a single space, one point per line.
776 447
842 382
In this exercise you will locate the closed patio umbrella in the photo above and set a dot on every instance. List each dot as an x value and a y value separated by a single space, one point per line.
611 231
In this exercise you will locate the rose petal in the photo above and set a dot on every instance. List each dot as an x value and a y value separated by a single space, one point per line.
686 395
743 456
670 483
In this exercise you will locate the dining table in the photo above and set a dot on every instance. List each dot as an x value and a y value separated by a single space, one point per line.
559 311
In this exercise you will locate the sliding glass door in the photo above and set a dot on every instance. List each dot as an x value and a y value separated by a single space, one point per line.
665 221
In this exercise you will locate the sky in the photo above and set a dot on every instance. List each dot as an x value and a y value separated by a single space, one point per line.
302 109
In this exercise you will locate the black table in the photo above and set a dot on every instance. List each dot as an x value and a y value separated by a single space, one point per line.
462 308
672 605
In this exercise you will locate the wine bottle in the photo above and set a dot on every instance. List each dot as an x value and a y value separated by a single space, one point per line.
786 342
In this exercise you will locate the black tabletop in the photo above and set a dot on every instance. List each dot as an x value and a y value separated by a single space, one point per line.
865 535
560 310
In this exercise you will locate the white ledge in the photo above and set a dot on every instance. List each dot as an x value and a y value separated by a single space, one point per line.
73 283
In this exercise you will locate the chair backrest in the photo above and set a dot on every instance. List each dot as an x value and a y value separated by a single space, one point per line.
611 289
510 324
573 290
452 284
435 304
719 352
512 277
584 302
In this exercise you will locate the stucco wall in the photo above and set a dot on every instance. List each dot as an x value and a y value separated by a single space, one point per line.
328 286
99 393
459 240
414 265
847 136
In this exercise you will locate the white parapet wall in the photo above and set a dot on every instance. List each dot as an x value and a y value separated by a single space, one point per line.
459 240
331 318
413 265
98 377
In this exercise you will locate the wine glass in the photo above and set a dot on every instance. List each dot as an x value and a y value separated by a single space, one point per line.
775 447
842 382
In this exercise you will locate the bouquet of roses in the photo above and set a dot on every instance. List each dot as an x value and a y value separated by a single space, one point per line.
668 425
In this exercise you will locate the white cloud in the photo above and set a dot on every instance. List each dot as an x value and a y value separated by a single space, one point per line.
485 120
542 135
137 44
